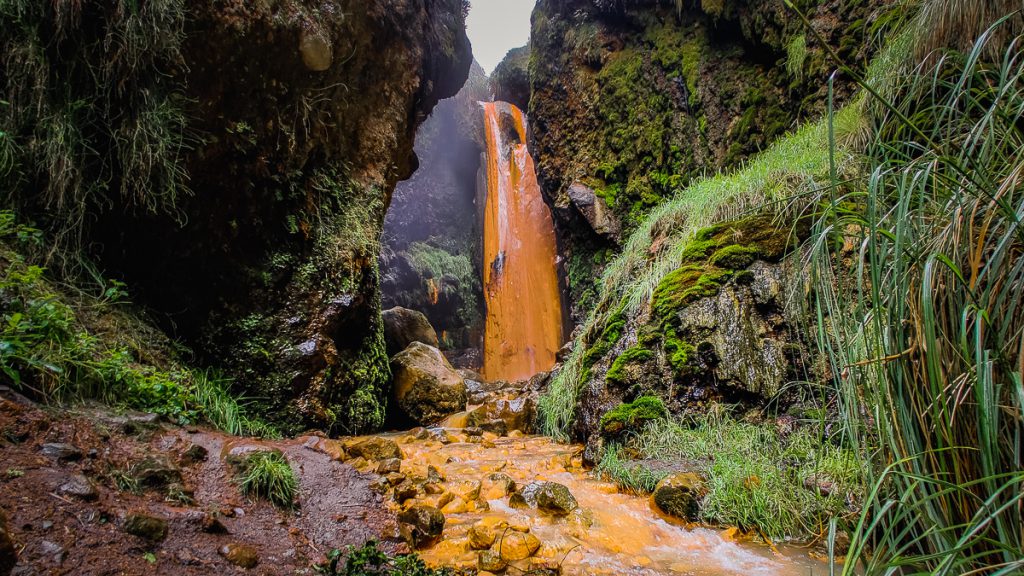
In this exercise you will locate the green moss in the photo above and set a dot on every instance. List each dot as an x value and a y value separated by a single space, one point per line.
734 256
633 415
679 353
631 357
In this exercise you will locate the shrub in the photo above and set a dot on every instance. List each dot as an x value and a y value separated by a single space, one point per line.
268 475
368 560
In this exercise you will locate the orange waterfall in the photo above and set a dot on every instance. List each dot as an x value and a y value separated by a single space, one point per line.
523 328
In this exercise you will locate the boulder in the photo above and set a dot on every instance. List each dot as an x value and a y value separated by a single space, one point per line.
679 495
425 524
145 526
595 211
403 327
486 530
504 414
8 553
241 555
554 498
490 561
513 546
426 387
374 448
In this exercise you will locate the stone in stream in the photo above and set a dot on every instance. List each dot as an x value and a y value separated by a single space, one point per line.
373 448
513 546
424 524
550 497
679 495
403 327
490 561
497 485
485 531
426 387
501 415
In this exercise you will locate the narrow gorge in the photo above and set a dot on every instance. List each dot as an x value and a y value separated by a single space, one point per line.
542 287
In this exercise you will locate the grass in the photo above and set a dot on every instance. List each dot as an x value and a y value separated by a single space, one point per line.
369 560
796 164
268 475
755 474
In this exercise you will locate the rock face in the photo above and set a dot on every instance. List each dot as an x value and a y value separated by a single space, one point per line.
633 100
510 80
680 495
426 387
250 201
403 327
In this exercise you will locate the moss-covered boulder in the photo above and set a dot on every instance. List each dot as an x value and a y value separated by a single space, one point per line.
679 495
633 416
426 388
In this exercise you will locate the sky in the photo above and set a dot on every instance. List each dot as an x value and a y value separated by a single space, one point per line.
497 26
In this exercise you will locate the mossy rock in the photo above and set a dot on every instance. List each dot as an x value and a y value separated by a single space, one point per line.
633 415
623 365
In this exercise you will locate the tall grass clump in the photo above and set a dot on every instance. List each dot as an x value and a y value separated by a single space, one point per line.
796 164
268 475
922 320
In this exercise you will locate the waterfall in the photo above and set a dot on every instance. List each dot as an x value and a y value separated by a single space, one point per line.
523 327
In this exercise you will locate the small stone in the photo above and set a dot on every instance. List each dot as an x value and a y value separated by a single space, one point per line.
679 495
405 491
380 485
373 448
426 522
52 549
78 486
46 525
241 555
395 478
388 466
497 485
474 431
513 546
486 530
455 506
434 475
554 498
60 451
211 524
490 561
315 49
156 473
145 526
466 489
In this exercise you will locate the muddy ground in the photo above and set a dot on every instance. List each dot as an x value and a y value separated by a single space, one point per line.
62 523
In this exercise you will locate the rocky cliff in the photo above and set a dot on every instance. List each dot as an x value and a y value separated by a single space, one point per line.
232 161
633 100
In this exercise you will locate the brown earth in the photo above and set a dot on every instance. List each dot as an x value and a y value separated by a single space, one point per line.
55 532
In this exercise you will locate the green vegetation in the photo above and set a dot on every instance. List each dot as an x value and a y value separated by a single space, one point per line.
368 560
268 475
758 478
633 416
434 263
632 356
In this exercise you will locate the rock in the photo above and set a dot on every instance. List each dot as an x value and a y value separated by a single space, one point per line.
680 495
61 451
426 523
554 498
194 455
52 550
389 466
395 478
512 545
525 497
78 486
211 524
315 48
514 412
241 555
497 485
405 491
373 448
820 484
156 472
426 387
490 561
595 211
402 327
466 489
145 526
8 553
485 531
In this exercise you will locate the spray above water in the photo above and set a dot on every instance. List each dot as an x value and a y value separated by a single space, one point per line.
523 328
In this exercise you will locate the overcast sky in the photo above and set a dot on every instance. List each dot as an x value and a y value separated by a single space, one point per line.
497 26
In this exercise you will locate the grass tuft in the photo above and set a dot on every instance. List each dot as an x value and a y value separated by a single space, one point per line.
268 475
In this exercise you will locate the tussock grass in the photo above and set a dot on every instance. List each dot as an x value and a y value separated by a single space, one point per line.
268 475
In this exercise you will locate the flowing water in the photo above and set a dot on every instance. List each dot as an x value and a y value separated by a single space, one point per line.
611 533
523 329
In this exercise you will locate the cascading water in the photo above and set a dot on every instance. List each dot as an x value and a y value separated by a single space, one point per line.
523 327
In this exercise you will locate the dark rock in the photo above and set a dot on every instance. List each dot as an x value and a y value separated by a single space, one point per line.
211 524
241 555
680 495
373 448
402 327
78 486
516 412
389 466
405 491
156 472
8 553
554 498
426 387
62 452
194 455
490 561
426 522
595 211
146 526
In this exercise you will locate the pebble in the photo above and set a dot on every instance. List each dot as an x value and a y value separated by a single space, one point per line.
241 555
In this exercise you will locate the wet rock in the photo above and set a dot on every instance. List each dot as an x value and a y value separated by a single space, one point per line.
595 211
241 555
315 48
515 412
402 327
474 431
513 546
680 495
374 448
490 561
194 455
554 498
61 451
434 475
466 489
146 526
455 506
426 387
389 466
78 486
485 531
497 485
525 497
426 524
395 478
156 473
8 553
405 491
